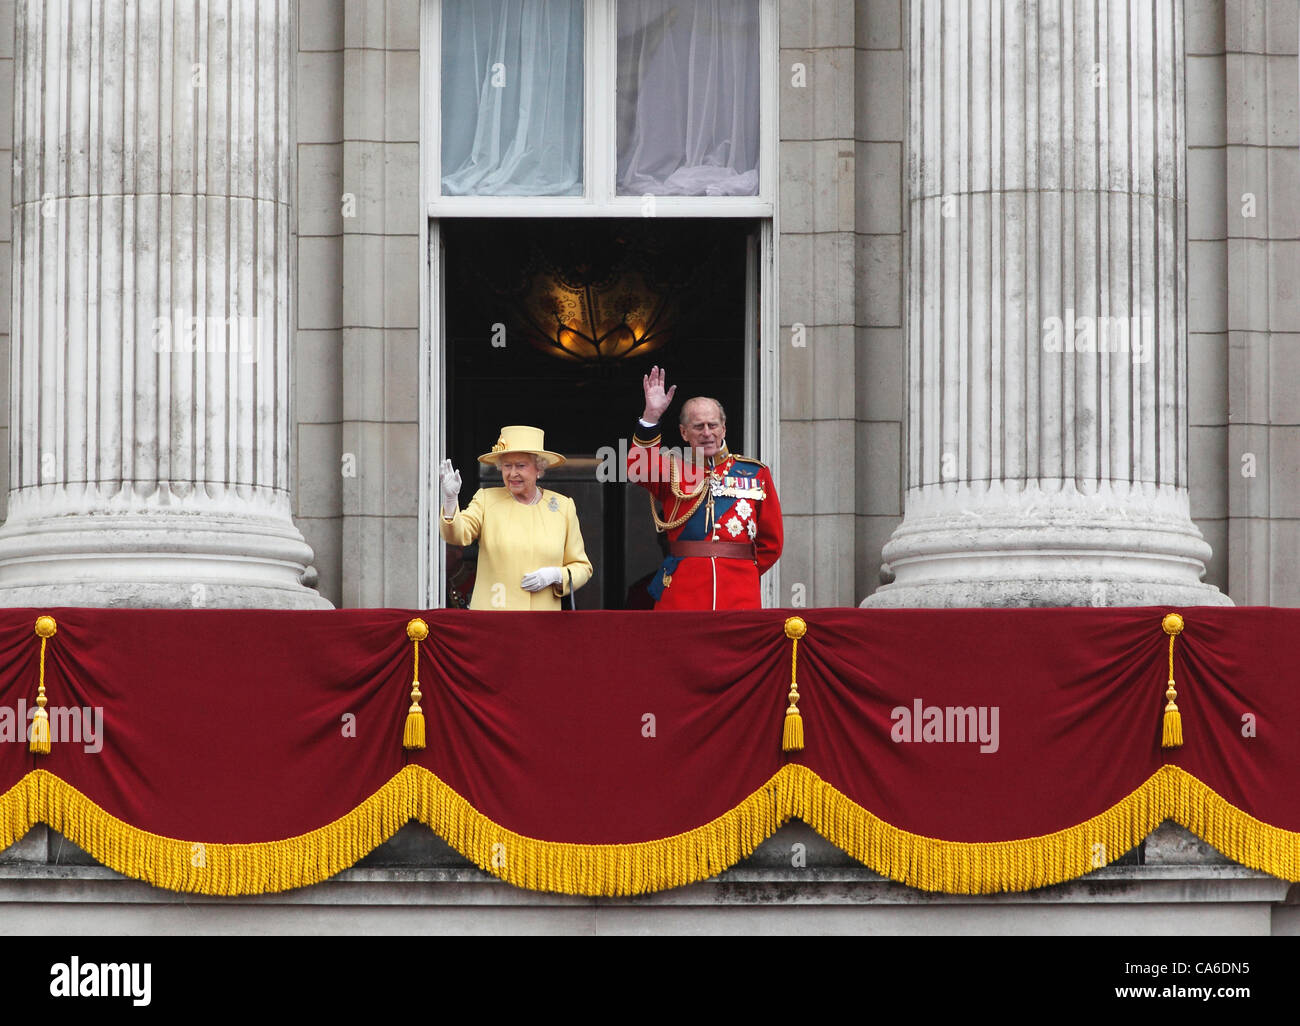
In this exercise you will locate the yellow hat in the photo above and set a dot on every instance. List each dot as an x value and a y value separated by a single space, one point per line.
518 438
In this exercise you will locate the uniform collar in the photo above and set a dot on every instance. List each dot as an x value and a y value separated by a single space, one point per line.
710 463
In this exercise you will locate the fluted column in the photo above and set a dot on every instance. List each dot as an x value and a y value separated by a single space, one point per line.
1047 329
149 460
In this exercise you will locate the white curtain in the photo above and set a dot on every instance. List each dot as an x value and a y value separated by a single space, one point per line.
512 97
688 97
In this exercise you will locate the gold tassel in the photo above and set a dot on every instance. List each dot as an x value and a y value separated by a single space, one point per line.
40 744
40 734
1171 735
792 731
413 734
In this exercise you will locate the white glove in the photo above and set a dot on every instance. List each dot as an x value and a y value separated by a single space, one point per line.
543 577
450 488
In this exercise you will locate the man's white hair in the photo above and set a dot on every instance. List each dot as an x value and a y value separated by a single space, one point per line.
683 417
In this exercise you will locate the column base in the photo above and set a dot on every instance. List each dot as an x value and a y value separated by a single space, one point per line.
160 554
161 595
1040 592
1048 544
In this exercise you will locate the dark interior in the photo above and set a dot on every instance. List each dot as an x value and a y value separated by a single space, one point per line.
512 284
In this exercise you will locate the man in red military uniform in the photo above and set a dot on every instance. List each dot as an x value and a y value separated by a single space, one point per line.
720 511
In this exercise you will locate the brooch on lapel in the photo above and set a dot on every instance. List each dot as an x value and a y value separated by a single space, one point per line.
553 505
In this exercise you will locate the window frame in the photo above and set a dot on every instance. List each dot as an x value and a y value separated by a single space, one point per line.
763 362
600 136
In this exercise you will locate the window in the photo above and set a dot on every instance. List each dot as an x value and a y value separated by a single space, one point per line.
688 97
512 97
552 107
619 109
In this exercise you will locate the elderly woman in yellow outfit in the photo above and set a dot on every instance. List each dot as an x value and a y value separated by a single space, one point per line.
530 547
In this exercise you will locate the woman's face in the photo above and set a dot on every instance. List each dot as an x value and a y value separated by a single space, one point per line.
518 473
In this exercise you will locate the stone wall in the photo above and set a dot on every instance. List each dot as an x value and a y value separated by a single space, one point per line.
1207 349
881 103
842 141
359 284
817 269
1244 215
1255 289
318 343
842 158
6 229
842 251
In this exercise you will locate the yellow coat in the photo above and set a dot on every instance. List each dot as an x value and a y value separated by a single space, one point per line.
514 540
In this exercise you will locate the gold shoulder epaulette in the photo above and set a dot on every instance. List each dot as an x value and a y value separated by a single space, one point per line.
750 459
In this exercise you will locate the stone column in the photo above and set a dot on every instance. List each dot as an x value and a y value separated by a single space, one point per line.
1047 309
151 307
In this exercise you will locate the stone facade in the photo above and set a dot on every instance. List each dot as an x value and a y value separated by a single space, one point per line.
152 305
353 412
357 344
843 209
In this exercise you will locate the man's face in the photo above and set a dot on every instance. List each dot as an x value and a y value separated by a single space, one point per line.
703 429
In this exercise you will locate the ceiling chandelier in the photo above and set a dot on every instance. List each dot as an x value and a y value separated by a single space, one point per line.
595 296
598 321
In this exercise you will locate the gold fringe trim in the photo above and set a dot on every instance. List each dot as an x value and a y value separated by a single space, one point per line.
607 870
200 867
955 867
1238 835
952 867
611 870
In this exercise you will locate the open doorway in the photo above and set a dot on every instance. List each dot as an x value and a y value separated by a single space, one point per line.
554 322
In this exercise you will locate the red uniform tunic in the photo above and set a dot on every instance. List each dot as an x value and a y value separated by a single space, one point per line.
744 511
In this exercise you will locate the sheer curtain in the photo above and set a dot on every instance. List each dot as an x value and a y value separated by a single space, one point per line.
688 97
512 97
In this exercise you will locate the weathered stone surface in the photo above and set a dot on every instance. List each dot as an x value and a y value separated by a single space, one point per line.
1047 312
152 310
